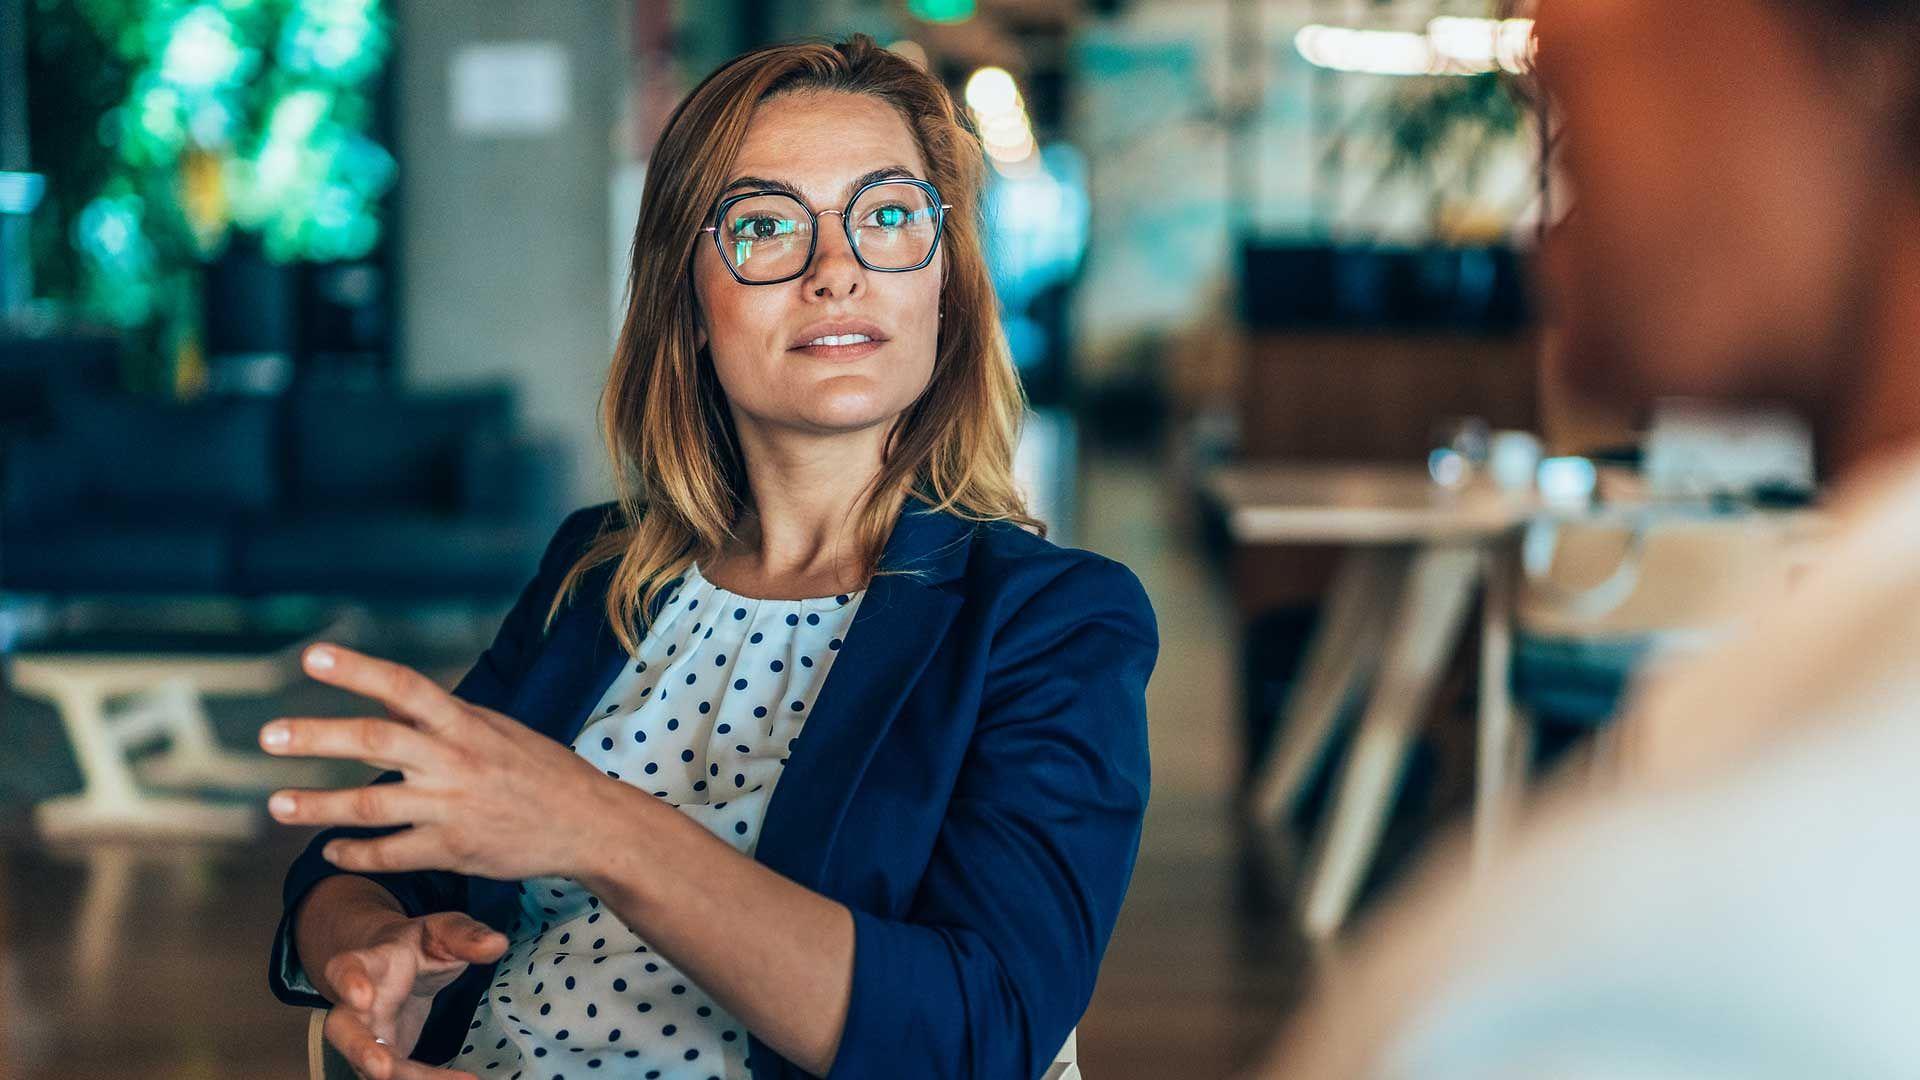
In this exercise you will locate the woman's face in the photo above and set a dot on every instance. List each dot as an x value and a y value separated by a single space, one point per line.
822 146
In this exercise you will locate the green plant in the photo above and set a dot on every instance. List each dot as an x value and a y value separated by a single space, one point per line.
1432 117
164 125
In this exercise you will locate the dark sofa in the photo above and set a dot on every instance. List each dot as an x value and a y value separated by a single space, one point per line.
324 492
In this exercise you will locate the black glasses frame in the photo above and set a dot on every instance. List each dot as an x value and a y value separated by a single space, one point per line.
846 225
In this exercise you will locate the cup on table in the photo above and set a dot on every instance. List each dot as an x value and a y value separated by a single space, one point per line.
1460 450
1513 458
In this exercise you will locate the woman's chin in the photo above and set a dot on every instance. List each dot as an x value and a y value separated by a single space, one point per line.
847 420
851 411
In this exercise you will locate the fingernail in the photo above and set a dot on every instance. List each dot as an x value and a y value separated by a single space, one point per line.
329 852
274 735
281 805
320 658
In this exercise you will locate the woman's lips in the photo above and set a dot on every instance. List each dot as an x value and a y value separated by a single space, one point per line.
840 353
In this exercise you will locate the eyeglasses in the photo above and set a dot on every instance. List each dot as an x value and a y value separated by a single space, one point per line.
768 237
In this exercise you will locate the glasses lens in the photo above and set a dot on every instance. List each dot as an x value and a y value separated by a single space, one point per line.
766 237
894 225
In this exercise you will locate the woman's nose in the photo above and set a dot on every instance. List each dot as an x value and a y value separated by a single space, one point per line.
835 272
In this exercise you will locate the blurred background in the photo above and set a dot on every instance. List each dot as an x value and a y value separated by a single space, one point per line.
305 306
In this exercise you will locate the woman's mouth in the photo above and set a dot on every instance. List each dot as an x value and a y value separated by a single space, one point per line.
840 348
839 344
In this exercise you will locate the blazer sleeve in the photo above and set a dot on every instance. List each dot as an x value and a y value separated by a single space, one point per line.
490 682
996 960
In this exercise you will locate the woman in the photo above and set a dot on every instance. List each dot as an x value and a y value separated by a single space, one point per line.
649 837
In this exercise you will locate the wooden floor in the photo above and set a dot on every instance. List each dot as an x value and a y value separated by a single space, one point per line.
141 961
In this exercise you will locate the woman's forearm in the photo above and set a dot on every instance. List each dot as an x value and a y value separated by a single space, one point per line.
342 912
777 956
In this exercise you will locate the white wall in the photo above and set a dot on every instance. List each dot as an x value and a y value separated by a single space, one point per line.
505 240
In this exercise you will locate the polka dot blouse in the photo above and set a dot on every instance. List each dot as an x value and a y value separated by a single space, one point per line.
703 716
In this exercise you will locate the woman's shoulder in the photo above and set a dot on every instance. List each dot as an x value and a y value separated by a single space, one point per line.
1036 576
1047 607
1009 547
576 533
581 527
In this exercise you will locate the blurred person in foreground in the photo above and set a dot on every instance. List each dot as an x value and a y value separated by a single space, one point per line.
1745 226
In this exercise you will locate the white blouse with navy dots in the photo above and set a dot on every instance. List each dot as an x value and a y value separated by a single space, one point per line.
703 717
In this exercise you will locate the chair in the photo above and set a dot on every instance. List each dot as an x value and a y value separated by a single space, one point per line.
1066 1065
323 1063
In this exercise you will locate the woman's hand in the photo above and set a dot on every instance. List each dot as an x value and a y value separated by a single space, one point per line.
386 989
484 794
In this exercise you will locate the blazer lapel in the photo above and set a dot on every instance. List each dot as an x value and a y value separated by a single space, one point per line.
898 625
578 661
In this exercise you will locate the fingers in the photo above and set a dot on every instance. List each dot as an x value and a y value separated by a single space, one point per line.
375 804
420 848
454 936
352 980
349 1033
382 743
411 695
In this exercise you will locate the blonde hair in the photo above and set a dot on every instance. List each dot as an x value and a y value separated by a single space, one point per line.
676 460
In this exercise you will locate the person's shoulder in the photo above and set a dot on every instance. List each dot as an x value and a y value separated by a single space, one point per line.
1046 605
1008 546
593 520
578 530
1034 575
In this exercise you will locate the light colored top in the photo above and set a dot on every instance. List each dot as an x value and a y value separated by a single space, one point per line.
703 717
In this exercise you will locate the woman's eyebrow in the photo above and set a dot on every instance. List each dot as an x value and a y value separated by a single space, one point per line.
889 172
763 183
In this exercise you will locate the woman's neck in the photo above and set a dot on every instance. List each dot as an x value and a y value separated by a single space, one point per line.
800 535
802 561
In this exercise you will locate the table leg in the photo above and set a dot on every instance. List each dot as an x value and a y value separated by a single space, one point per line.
1339 655
1503 745
1426 625
97 938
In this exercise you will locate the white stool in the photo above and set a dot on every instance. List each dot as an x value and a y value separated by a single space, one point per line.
166 686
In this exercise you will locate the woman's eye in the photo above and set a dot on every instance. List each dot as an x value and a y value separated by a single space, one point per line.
761 228
890 217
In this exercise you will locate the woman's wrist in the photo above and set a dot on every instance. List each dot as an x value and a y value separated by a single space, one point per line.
340 913
619 860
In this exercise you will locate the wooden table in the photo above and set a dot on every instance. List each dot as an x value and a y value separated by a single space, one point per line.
1417 554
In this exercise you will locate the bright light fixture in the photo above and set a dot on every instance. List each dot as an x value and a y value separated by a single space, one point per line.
1450 46
991 91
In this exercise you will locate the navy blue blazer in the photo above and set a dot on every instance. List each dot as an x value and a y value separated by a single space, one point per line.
971 784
